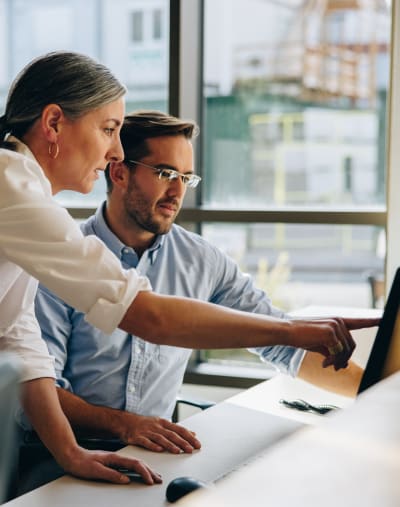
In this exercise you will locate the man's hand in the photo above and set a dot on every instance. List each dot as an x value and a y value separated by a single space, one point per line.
155 434
101 465
330 337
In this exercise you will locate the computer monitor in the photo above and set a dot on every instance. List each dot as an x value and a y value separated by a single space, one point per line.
9 388
384 358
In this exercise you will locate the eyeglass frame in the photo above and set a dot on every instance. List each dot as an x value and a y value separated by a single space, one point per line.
189 180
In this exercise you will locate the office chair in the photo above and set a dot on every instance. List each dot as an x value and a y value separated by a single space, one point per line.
201 404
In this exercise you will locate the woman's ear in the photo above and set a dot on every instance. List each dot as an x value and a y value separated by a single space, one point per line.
51 120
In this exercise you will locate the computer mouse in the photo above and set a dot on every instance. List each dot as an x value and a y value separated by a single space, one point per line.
181 486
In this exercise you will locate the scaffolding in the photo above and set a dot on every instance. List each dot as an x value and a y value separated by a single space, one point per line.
330 51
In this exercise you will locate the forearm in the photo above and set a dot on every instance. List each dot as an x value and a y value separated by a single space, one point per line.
344 382
153 433
188 323
88 418
41 405
182 322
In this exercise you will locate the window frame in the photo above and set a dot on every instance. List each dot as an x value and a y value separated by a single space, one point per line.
393 151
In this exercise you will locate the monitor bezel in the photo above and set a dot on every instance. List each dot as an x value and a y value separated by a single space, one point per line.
374 368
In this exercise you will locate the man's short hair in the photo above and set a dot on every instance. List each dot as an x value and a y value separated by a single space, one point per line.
146 124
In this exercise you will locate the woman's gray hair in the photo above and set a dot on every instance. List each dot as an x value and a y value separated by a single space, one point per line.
74 81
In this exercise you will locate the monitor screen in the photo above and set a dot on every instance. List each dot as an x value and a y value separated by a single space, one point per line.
384 358
9 387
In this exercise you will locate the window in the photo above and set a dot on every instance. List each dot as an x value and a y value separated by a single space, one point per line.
294 141
291 97
113 31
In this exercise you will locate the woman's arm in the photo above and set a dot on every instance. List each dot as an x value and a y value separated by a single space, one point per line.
194 324
41 404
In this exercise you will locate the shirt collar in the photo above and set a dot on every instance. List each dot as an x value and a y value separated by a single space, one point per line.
24 150
102 230
21 147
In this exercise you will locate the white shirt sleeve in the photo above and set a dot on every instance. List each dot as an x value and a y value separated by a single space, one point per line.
24 340
41 237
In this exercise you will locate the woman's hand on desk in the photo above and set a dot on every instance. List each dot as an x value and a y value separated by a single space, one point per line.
330 337
101 465
41 393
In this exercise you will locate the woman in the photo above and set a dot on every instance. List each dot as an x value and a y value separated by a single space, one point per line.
43 108
60 128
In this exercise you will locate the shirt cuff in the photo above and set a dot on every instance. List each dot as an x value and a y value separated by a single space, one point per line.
295 362
285 359
43 369
107 315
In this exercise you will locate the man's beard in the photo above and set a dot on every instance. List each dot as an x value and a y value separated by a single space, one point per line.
138 210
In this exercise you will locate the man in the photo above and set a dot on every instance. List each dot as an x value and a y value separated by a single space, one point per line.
125 387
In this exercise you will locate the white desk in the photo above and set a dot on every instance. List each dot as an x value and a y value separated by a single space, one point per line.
265 398
353 459
232 433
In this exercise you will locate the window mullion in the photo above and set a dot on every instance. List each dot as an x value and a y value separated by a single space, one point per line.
393 177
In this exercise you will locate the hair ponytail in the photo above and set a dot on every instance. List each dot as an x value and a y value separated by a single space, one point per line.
4 130
3 127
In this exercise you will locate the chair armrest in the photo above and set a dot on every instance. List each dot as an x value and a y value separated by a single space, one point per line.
202 404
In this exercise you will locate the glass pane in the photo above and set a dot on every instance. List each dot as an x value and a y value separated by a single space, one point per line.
295 103
303 265
157 24
137 26
300 265
119 33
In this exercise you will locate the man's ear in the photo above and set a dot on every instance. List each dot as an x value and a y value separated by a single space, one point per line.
119 174
51 120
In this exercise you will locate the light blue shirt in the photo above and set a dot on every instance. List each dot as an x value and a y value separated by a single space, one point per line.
125 372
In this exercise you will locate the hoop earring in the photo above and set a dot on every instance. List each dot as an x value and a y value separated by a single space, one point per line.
57 150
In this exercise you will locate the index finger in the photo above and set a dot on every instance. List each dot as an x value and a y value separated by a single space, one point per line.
355 323
184 433
122 465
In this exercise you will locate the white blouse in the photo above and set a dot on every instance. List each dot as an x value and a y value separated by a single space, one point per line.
39 240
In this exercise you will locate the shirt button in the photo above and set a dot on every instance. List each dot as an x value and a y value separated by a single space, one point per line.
132 389
125 250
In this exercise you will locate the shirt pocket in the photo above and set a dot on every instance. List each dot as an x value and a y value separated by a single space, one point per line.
172 356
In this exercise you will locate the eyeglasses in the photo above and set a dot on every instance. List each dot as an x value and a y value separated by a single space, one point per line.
166 174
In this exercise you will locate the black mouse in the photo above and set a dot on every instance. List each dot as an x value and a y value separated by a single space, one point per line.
181 486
